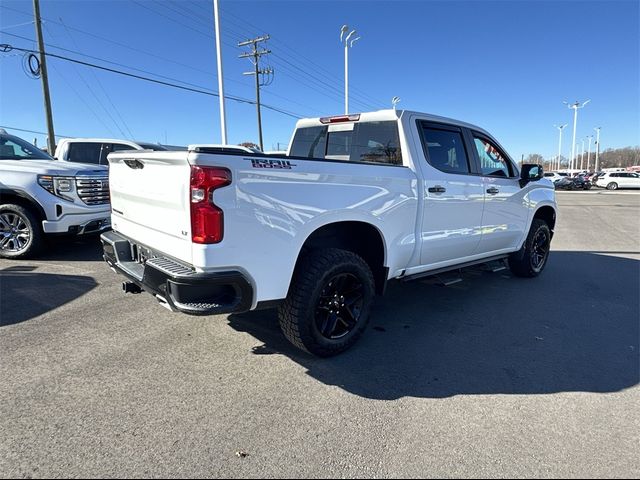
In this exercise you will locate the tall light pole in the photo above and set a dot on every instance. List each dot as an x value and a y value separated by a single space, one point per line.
560 128
223 117
597 129
582 156
590 137
348 42
575 106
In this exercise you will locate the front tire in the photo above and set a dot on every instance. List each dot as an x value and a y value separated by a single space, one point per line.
20 233
531 259
329 301
612 186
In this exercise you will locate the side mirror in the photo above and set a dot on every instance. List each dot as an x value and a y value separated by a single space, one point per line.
530 173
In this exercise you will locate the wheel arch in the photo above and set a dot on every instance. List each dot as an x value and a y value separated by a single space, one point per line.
548 214
17 197
361 238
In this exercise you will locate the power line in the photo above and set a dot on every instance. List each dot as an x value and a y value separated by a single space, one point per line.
106 94
323 71
49 45
152 80
32 131
335 92
95 96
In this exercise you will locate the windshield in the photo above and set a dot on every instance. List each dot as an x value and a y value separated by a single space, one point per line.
14 148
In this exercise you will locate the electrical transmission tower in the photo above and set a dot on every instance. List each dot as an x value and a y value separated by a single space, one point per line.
264 76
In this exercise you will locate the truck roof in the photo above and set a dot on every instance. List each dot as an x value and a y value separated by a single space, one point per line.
390 114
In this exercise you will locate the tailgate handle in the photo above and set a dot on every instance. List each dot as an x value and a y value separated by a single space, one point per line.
135 164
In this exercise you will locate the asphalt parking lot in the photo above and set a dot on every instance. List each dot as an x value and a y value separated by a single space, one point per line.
493 376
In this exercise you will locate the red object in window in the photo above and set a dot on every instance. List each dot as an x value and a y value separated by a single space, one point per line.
207 220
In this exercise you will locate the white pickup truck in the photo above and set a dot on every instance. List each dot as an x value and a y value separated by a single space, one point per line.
357 201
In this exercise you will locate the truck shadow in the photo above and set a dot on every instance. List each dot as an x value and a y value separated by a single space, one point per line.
25 294
74 249
574 329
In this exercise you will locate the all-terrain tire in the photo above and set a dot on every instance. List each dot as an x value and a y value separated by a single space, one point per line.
304 314
531 259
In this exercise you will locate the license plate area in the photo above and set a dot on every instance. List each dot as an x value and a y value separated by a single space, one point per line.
141 254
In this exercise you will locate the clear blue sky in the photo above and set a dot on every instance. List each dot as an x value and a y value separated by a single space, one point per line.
504 65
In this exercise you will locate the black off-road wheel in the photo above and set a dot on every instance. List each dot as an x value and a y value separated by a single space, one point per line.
329 301
21 234
531 259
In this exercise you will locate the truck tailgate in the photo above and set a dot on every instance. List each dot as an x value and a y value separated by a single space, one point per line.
150 200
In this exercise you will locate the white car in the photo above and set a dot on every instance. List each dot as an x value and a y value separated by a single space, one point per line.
358 200
616 180
95 150
555 176
41 196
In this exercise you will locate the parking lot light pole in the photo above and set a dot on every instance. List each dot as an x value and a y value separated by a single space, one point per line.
582 157
590 137
223 117
575 106
597 129
348 43
560 128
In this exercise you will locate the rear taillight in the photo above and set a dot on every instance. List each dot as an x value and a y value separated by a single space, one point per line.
207 220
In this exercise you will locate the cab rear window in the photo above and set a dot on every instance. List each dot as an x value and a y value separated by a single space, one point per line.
374 142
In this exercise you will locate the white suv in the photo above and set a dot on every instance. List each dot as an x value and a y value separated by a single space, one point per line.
39 195
615 180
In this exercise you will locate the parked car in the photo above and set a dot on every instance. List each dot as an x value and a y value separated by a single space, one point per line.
573 183
554 176
616 180
359 200
95 150
41 196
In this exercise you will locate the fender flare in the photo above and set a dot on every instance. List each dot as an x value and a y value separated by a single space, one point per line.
24 196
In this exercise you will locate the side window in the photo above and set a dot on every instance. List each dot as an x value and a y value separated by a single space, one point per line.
492 162
445 150
117 147
84 152
376 142
309 142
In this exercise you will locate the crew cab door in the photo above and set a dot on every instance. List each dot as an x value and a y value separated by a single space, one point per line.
506 212
453 197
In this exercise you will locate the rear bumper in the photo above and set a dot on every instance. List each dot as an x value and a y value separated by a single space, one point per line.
175 284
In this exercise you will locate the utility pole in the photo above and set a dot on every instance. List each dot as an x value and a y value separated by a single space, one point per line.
51 140
254 55
223 117
597 147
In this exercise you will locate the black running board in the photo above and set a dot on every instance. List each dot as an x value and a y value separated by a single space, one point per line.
459 266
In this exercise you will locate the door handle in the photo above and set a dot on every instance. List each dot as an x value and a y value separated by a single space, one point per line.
493 191
437 189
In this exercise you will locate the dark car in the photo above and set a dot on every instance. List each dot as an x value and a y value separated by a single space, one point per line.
573 183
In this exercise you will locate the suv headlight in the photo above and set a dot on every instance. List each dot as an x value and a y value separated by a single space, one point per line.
58 186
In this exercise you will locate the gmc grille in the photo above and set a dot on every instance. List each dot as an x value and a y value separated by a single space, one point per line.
93 190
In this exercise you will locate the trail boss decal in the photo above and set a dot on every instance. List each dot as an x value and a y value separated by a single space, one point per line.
276 164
